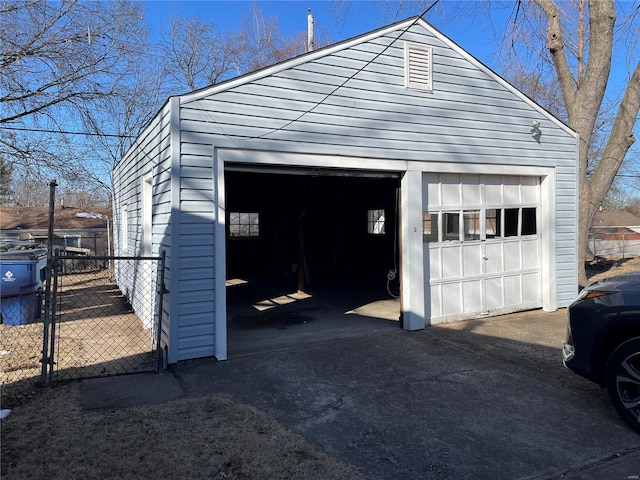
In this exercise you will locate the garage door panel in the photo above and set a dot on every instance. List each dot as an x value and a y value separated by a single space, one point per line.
494 293
531 254
431 191
512 290
494 254
451 301
451 262
494 274
531 287
530 190
472 259
511 189
435 291
451 190
472 296
432 258
471 194
492 190
512 257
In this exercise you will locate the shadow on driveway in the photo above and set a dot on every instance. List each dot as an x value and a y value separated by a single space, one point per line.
482 399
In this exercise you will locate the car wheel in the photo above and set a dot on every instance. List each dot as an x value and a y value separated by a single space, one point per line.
623 381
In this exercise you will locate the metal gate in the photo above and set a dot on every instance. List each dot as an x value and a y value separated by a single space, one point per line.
102 317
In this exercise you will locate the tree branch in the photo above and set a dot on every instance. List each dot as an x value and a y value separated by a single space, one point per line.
620 139
555 45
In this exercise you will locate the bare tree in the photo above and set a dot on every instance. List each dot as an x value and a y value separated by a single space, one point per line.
58 61
581 37
262 43
6 171
195 55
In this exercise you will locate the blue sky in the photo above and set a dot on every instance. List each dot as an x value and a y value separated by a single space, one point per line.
474 33
357 17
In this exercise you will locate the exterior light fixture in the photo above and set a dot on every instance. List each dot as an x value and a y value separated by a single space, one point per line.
535 129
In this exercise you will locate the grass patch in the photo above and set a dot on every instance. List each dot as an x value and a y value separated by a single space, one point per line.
50 436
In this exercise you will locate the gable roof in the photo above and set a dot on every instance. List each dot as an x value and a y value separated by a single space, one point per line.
401 28
37 218
617 218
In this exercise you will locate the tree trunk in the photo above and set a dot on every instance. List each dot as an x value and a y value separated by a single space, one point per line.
583 98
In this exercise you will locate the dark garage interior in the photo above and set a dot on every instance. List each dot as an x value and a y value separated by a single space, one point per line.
330 234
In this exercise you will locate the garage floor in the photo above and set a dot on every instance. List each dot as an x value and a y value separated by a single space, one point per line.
268 316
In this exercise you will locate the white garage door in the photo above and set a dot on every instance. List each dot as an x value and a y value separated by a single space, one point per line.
482 244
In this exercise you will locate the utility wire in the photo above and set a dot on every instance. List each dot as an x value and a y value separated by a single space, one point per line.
67 132
354 74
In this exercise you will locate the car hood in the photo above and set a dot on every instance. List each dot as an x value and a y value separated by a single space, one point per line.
620 283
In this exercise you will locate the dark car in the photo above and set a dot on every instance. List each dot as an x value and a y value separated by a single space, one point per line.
603 341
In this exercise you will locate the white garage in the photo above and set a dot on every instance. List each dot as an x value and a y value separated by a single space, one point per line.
395 151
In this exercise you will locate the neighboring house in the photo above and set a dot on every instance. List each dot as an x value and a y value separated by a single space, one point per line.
296 166
76 231
615 233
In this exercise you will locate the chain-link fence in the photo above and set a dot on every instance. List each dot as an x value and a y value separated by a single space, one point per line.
100 325
97 323
621 242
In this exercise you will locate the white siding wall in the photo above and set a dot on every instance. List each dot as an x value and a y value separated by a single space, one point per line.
322 104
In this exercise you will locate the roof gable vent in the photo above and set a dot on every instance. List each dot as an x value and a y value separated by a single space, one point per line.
418 62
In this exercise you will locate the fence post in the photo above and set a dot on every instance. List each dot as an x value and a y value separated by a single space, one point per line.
47 290
160 297
52 324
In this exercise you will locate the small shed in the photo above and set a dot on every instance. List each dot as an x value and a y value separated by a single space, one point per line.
395 155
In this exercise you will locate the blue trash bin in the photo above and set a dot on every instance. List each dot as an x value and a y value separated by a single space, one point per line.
22 273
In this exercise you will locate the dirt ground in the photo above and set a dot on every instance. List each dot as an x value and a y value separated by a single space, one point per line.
211 436
49 435
609 267
97 334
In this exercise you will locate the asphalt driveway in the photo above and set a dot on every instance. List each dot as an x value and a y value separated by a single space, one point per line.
481 399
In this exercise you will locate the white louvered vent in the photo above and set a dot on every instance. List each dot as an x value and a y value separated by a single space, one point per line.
418 67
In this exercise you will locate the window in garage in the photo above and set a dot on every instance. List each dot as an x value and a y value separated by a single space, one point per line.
498 223
492 223
244 224
376 222
429 227
451 221
517 222
529 226
511 222
471 226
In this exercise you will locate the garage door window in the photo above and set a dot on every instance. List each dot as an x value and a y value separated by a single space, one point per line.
429 227
529 226
493 223
244 224
471 226
498 223
516 222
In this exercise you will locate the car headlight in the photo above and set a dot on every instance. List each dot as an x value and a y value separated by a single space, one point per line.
587 294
